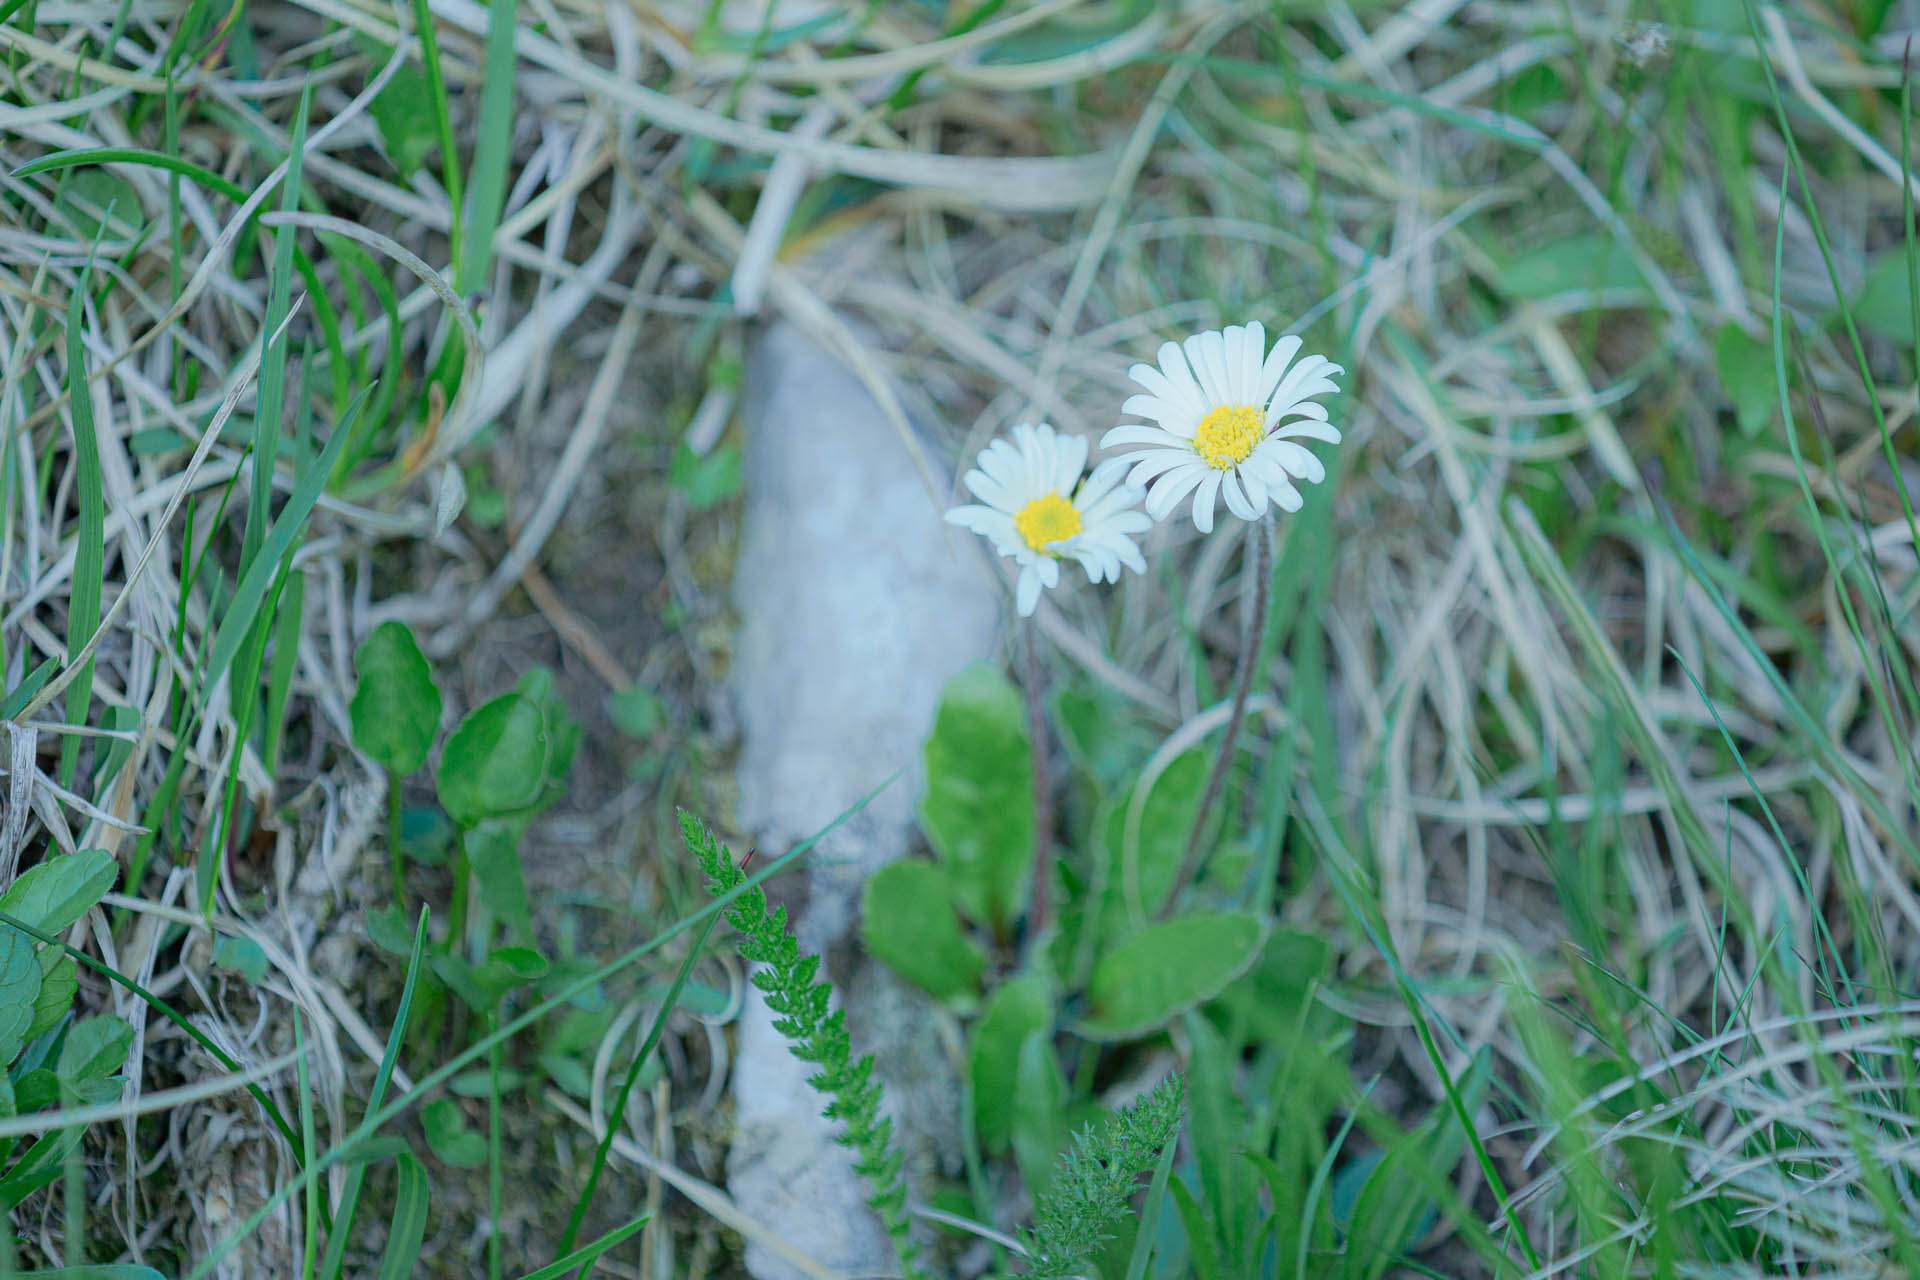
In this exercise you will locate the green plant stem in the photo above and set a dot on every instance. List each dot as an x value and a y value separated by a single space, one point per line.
495 1176
619 1109
393 838
1259 558
1042 785
457 906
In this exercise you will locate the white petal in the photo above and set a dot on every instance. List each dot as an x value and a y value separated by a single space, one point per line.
1177 391
1295 458
1305 380
988 490
1098 485
1311 428
1256 352
1236 500
1144 435
1276 364
1170 488
995 526
1180 379
1027 594
1255 486
1034 456
1178 419
1155 461
1049 571
1245 345
1112 507
1000 462
1204 352
1203 501
1070 458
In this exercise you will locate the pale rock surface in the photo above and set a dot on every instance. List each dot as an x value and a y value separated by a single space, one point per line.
857 603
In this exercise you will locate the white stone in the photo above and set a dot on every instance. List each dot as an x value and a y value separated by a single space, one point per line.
857 602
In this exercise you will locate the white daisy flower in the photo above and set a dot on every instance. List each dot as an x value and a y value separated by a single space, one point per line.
1229 412
1039 510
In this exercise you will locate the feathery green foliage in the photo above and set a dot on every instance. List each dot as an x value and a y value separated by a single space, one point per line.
815 1033
1096 1178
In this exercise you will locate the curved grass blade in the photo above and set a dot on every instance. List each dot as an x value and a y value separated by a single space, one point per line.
167 1011
335 1259
626 1088
454 1065
409 1221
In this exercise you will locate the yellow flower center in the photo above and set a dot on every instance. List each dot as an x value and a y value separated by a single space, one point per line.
1046 520
1227 435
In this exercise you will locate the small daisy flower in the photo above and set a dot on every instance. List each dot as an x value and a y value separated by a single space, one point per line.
1229 411
1038 510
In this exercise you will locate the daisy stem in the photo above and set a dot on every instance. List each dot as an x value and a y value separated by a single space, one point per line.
1259 556
1042 784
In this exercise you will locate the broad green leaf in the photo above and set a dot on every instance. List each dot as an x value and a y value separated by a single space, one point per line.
1039 1111
457 972
389 929
1268 998
977 809
95 1048
40 1165
243 956
1745 366
449 1136
426 835
403 111
1885 303
396 705
36 1089
706 481
99 1271
907 919
493 854
19 990
636 711
59 983
8 1107
1591 260
52 895
1014 1011
563 731
1098 729
409 1226
1137 885
496 761
1168 968
87 195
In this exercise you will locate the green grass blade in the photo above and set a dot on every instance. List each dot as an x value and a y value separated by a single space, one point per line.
1156 1200
310 1235
168 1012
626 1088
252 588
90 542
424 1087
585 1255
330 1266
493 148
21 694
409 1221
423 26
134 155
